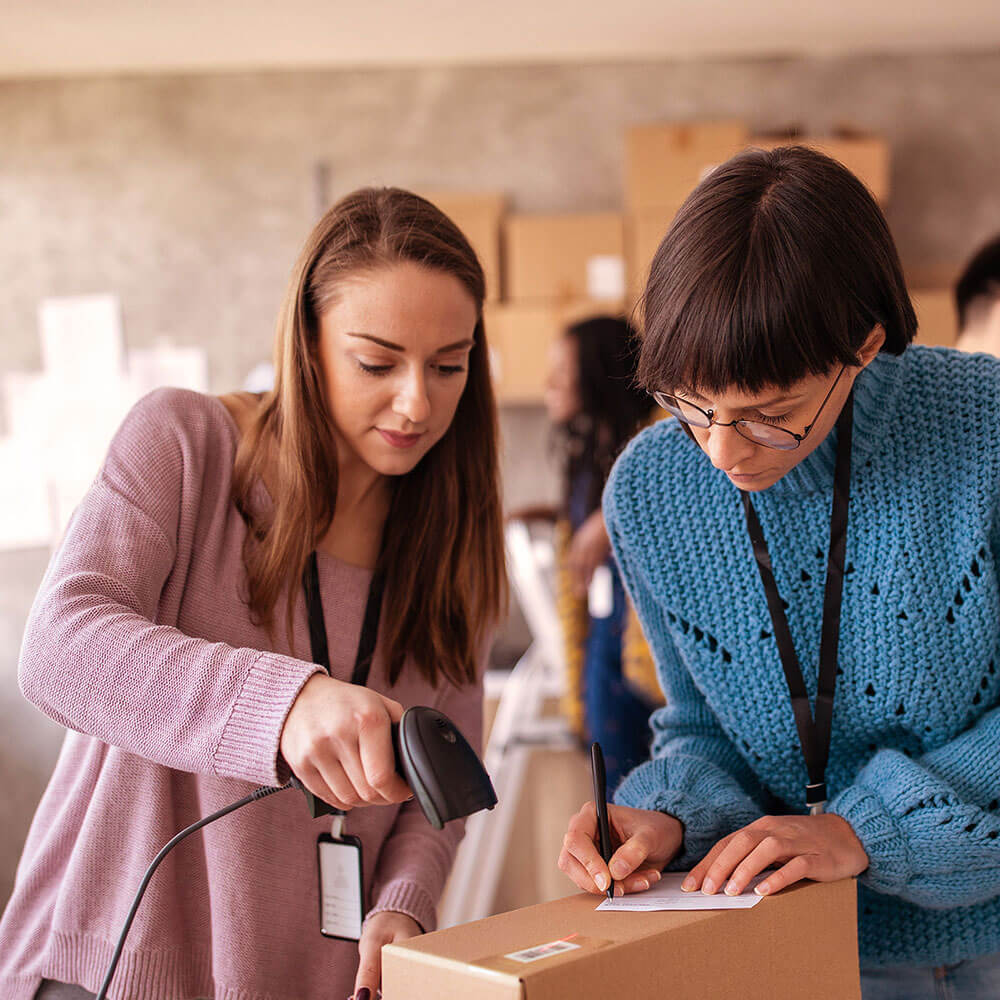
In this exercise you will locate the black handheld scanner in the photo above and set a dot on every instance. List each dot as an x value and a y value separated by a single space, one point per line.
446 776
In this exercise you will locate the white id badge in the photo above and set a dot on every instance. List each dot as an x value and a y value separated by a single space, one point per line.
341 900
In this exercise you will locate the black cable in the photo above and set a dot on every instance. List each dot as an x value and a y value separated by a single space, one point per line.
254 796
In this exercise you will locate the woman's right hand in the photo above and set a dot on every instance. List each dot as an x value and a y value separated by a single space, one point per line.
338 743
648 840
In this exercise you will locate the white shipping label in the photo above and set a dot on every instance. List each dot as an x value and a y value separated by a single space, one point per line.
341 910
542 951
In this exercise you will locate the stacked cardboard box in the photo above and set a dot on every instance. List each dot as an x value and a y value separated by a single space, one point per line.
479 215
937 322
664 162
866 156
520 335
557 269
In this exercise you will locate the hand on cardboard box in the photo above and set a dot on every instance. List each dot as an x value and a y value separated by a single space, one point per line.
648 840
385 927
822 848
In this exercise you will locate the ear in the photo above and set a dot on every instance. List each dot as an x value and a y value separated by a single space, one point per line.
872 345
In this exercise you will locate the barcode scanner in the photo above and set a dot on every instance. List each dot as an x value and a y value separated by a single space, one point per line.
444 773
433 758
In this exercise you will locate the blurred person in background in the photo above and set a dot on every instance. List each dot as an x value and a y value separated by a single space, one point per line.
813 547
594 404
977 300
200 632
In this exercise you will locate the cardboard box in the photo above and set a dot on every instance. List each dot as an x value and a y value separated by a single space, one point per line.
479 215
643 234
936 317
564 257
801 943
866 156
665 161
519 335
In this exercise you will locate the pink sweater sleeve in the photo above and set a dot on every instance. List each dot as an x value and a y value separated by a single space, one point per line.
416 858
95 659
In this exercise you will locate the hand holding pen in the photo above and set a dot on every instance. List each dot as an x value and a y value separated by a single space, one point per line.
648 840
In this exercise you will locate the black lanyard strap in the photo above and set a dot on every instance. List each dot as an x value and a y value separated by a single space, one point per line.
317 622
814 733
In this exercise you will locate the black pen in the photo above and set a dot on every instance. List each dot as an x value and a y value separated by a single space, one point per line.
601 801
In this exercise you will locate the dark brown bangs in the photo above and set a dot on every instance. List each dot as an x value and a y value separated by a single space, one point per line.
776 267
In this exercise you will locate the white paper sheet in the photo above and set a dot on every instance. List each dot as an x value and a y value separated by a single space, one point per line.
668 895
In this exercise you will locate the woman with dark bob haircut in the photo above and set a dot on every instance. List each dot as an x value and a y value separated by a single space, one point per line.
823 482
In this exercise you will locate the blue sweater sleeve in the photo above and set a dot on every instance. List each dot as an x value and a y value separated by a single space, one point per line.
931 825
695 773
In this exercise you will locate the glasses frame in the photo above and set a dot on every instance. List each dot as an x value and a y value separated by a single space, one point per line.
796 439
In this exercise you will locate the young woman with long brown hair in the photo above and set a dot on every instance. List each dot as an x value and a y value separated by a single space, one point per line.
171 635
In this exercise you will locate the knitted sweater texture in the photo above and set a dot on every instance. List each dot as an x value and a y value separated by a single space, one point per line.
139 643
915 752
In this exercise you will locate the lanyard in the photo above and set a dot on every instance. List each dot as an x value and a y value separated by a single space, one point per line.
814 733
317 622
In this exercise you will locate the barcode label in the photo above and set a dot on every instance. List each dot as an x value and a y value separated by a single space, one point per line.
542 951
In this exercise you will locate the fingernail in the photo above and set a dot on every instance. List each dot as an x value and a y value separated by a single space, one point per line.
657 876
689 883
619 869
601 880
708 886
619 891
642 885
363 994
763 889
732 889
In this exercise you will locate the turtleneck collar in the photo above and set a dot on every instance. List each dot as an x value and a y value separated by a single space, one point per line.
875 391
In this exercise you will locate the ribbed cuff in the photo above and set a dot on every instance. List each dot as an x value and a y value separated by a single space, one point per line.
695 799
407 897
249 747
889 865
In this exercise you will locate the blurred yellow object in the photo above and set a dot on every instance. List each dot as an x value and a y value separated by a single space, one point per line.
638 667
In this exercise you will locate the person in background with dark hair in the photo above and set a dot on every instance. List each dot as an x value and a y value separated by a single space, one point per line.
813 547
977 301
199 633
595 406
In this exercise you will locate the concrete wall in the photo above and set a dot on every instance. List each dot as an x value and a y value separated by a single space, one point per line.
189 197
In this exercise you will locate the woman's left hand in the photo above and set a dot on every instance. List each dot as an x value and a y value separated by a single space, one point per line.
822 848
588 548
379 929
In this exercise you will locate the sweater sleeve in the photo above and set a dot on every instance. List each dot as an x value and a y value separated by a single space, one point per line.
93 656
695 772
416 859
931 825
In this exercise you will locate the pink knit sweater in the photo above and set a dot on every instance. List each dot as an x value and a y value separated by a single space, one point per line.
139 644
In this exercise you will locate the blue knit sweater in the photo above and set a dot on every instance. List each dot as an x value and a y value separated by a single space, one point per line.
915 752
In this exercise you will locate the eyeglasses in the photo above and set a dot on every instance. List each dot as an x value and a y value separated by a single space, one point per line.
768 435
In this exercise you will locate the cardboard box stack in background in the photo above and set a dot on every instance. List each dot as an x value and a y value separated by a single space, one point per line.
520 334
800 943
545 271
937 319
866 156
561 258
479 215
557 269
664 162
